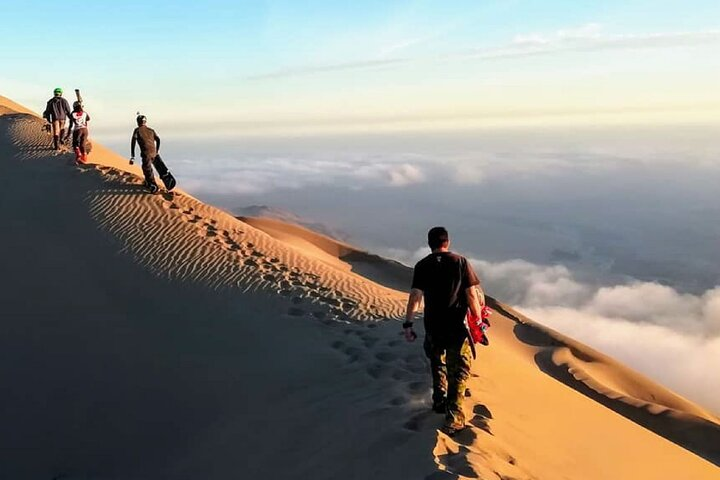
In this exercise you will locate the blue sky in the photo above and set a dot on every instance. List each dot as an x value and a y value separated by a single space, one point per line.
287 65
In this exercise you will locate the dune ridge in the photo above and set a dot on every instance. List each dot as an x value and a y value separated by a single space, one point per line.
343 397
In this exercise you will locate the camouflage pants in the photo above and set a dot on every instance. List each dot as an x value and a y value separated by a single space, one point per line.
450 368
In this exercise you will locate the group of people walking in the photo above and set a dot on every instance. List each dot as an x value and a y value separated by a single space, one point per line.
57 111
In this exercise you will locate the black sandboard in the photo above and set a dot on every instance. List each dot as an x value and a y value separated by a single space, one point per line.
167 178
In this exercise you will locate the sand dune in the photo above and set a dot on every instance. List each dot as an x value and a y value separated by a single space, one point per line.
153 336
337 253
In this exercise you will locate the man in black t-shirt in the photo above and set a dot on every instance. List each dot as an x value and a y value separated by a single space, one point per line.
449 285
149 143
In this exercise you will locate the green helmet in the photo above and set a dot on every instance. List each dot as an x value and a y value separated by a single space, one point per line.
58 91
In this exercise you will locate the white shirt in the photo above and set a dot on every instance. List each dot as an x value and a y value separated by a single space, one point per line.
80 119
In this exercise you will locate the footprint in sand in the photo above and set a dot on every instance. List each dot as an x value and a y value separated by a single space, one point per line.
386 356
481 418
370 342
377 370
320 315
421 421
458 462
353 354
398 401
207 233
416 367
402 375
418 387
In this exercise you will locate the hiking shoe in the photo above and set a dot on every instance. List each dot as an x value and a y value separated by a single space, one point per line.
439 407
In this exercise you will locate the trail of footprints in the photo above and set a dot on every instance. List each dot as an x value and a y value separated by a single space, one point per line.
307 296
380 350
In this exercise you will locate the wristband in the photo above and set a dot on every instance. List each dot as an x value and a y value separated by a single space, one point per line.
407 325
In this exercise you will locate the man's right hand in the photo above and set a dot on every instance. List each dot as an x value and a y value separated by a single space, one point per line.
410 334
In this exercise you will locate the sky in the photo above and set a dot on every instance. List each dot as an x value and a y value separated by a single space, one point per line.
287 67
570 147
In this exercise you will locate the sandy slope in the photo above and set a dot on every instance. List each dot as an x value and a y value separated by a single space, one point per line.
157 337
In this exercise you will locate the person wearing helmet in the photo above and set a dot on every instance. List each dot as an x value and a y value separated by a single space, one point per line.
79 126
149 143
56 111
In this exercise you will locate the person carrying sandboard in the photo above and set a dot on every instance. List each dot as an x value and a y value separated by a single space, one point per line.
149 143
79 126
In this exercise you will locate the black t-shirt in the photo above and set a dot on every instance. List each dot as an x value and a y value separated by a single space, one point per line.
443 278
146 138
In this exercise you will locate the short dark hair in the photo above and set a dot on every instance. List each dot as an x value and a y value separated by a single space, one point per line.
438 237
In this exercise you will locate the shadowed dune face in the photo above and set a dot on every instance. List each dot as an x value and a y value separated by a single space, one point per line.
157 337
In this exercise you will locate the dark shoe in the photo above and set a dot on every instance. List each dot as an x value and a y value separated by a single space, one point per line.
439 406
152 187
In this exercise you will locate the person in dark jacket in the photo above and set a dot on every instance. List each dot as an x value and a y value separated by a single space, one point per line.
56 111
149 143
449 286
